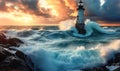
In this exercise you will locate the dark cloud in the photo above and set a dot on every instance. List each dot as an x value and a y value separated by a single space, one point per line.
2 5
110 11
32 5
27 6
58 10
92 7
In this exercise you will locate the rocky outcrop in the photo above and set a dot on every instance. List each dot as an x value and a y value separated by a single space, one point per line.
3 39
118 69
100 68
14 42
14 60
8 42
113 63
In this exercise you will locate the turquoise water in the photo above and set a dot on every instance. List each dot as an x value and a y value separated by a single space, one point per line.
56 50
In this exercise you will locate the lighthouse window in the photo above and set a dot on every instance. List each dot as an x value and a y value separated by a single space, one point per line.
80 4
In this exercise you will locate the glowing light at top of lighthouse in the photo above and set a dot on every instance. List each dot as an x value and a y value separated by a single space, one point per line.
102 2
80 3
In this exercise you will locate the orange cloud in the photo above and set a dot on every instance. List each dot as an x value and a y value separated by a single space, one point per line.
36 11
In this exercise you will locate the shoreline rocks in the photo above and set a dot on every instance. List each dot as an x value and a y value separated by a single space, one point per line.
14 42
8 42
12 59
112 65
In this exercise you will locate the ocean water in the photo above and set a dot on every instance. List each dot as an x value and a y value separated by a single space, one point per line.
56 50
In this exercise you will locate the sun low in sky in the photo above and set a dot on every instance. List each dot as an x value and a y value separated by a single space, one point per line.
37 12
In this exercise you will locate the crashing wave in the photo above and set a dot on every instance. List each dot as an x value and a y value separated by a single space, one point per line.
60 51
90 28
58 59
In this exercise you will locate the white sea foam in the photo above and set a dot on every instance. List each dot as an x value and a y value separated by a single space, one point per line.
90 27
52 55
49 58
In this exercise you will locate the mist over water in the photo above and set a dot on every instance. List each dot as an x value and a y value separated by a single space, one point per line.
56 50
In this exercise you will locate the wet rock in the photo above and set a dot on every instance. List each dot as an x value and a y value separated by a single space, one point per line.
14 42
25 57
4 53
110 62
117 57
20 54
113 63
14 60
114 60
8 42
101 68
3 38
118 69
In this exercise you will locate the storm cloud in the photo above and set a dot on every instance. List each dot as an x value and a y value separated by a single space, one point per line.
109 11
55 11
58 10
27 6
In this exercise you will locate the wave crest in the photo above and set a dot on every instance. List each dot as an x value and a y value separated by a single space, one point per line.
91 28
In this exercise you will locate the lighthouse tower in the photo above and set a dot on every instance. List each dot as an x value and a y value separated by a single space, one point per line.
80 18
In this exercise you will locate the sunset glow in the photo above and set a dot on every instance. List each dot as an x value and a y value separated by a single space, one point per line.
46 12
37 12
16 18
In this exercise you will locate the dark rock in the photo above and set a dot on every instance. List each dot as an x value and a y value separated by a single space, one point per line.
114 60
20 54
8 42
80 28
15 42
85 69
99 68
110 62
4 53
26 59
3 38
13 60
118 69
2 57
117 57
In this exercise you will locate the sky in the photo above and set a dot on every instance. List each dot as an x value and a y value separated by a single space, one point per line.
35 12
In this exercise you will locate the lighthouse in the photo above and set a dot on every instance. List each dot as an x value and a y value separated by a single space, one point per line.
80 25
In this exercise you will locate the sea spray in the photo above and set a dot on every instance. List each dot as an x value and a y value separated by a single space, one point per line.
91 27
56 59
111 48
62 60
68 52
